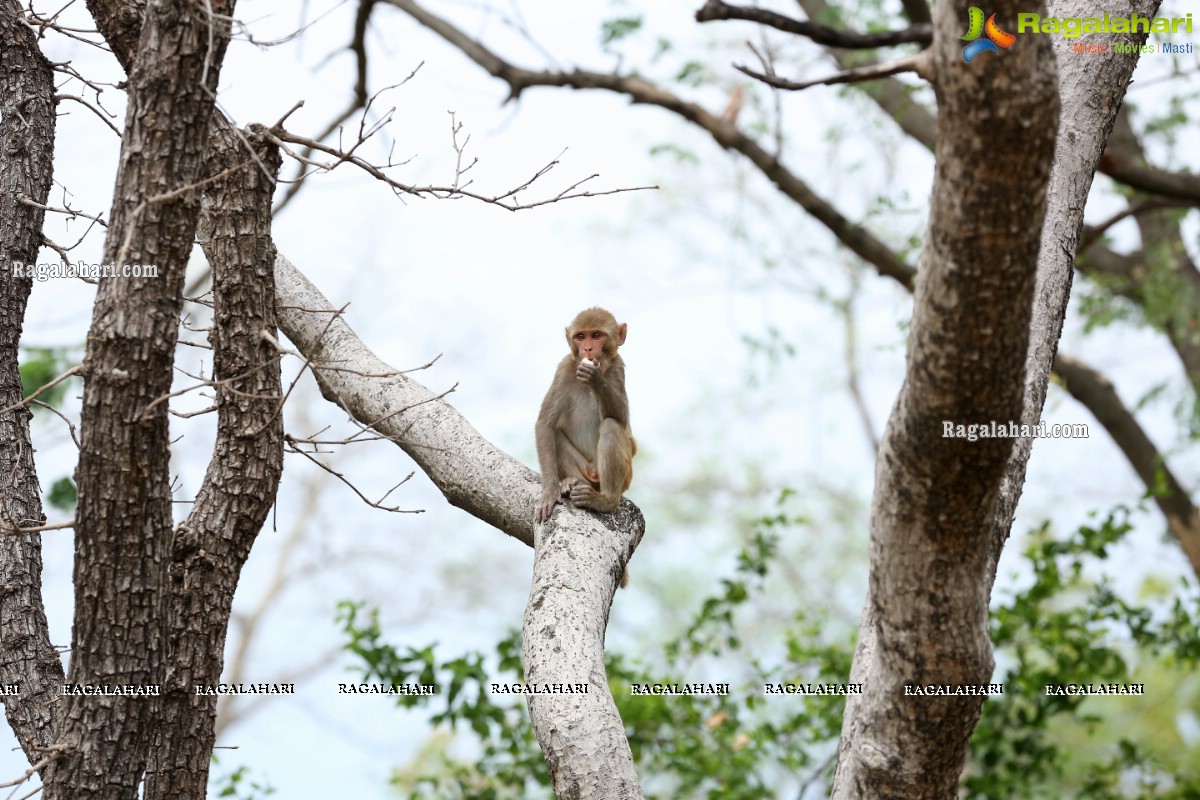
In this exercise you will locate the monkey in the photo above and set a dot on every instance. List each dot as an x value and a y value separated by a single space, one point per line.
585 446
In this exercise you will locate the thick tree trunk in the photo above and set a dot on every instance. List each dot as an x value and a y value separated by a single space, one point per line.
212 545
26 164
935 497
581 734
1092 90
933 564
124 521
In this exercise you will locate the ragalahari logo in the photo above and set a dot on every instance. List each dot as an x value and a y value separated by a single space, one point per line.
996 38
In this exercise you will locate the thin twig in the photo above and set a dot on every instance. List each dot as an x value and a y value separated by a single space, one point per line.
75 370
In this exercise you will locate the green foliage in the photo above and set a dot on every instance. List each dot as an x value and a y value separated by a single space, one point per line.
614 30
1162 297
1168 299
241 786
693 73
1174 118
510 765
737 746
63 494
39 366
1065 628
767 353
732 747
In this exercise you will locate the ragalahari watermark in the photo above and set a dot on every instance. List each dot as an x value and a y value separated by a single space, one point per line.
82 269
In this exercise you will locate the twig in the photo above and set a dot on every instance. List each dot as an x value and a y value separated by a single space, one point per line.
292 447
63 417
1092 233
821 34
58 526
921 63
55 751
89 107
75 370
639 90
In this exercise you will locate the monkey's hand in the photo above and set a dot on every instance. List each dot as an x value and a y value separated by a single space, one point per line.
551 496
587 371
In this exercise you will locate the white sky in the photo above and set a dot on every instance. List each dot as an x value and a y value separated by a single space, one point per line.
490 291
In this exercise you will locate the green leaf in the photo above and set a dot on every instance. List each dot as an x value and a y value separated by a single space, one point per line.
63 494
614 30
39 366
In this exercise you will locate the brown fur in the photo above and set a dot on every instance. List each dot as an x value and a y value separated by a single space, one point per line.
584 442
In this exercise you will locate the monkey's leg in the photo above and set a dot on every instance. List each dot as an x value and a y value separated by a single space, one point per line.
574 465
614 457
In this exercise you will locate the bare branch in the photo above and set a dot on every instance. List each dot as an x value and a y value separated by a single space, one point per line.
58 526
894 97
920 63
726 134
507 200
90 107
70 212
205 383
1096 392
55 750
853 377
75 370
70 425
1092 233
1180 185
292 447
922 34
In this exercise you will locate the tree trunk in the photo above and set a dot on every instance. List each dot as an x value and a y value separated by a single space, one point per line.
212 545
935 497
579 557
124 520
933 565
26 165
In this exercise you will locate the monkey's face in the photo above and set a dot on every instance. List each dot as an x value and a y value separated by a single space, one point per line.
592 343
596 335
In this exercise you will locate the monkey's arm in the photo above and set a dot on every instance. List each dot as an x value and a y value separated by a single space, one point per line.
547 450
610 391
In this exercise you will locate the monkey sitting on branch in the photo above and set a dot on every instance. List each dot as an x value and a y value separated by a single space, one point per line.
584 443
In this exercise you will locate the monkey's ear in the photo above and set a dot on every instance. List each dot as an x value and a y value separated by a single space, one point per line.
622 329
570 343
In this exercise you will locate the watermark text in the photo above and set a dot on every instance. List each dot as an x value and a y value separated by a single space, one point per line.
82 269
1012 430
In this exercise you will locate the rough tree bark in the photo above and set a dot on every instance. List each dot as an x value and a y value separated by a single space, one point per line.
934 500
905 634
124 521
1092 91
211 546
26 165
582 737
